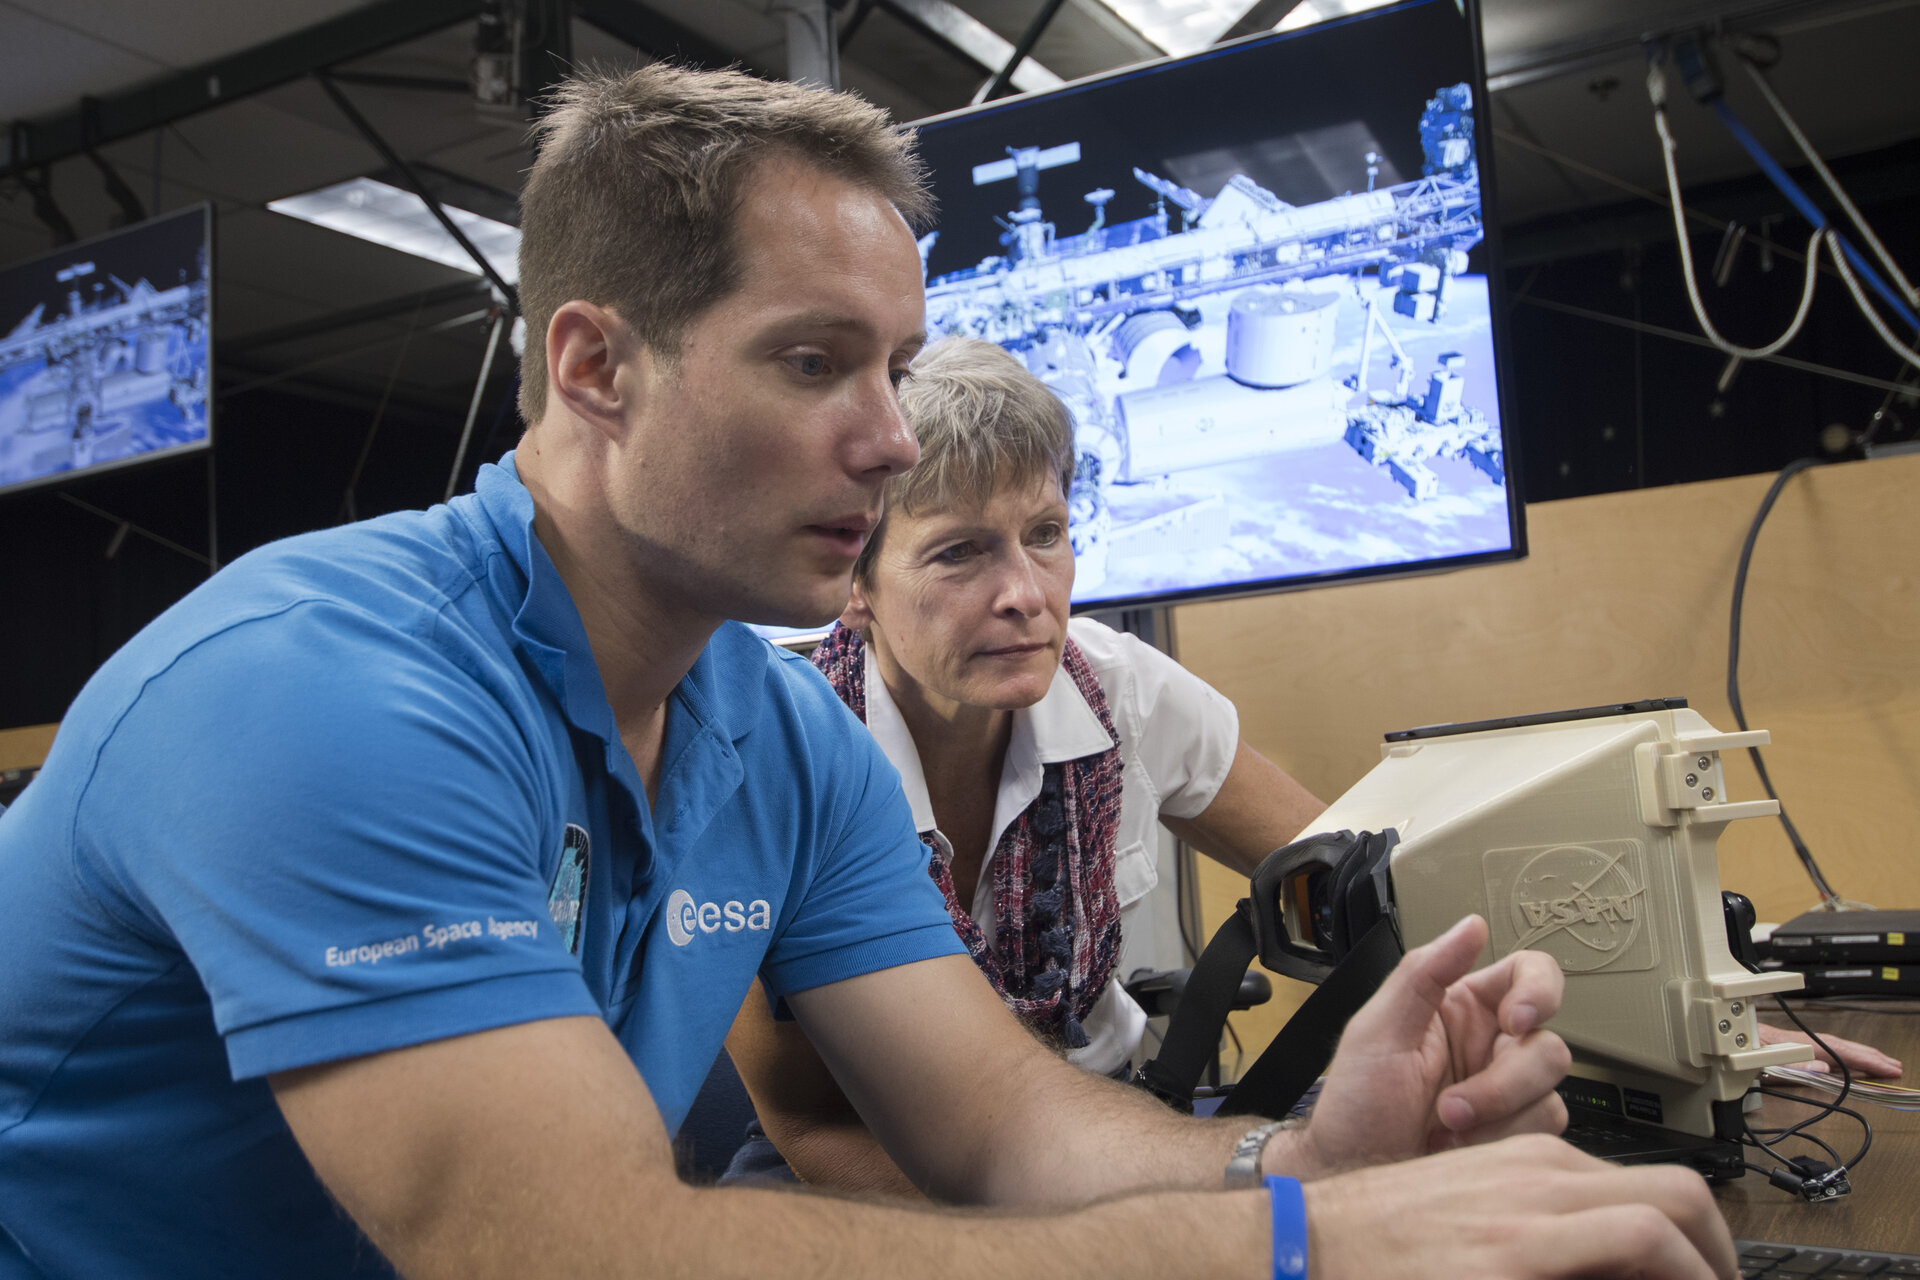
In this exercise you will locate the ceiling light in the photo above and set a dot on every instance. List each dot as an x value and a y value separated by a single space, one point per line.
1304 14
1180 26
1309 12
400 220
1188 26
979 41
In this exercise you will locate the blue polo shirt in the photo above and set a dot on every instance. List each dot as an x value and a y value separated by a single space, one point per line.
361 790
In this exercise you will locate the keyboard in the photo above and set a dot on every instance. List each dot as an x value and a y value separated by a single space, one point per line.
1782 1261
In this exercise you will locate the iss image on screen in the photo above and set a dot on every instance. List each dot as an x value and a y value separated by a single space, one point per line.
104 351
1257 278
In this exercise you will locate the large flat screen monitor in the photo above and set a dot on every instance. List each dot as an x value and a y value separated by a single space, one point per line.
1260 278
105 351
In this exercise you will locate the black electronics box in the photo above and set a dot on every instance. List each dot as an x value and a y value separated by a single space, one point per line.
1827 938
1853 979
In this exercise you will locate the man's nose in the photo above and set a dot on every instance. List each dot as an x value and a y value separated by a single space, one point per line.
884 444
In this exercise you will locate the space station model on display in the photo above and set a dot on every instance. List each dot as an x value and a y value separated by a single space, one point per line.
1109 318
113 350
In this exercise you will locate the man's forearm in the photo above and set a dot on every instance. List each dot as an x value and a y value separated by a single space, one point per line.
1084 1137
739 1232
1062 1121
1007 1121
843 1156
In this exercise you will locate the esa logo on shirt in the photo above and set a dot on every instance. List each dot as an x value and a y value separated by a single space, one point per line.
686 918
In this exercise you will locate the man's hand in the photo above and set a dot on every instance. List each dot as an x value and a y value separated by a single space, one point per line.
1442 1055
1861 1059
1529 1207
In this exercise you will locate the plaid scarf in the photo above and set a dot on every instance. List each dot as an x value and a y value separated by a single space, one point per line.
1056 912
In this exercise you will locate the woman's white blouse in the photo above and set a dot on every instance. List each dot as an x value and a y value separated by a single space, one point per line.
1177 741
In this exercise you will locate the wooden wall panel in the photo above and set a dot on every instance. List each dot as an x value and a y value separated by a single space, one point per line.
1627 596
26 748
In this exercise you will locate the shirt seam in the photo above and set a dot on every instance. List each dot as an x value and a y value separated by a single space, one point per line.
937 928
142 929
106 740
66 1054
413 993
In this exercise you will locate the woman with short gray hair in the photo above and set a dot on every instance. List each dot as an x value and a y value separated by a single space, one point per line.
1037 753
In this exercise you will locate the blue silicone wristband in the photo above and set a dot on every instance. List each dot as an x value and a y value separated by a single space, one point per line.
1289 1228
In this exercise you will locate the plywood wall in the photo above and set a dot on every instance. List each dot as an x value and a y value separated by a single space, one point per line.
26 748
1627 596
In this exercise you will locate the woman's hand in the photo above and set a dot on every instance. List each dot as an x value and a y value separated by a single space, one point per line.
1861 1059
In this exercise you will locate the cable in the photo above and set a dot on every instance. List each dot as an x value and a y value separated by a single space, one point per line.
1829 898
1903 382
1759 1136
1898 347
1833 184
1846 258
1667 149
1601 175
1894 1097
1826 1109
1798 198
1802 1175
1837 1106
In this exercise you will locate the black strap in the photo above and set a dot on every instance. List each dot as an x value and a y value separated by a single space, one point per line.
1296 1057
1193 1032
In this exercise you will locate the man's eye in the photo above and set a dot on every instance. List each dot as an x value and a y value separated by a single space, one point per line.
1046 535
956 553
899 377
810 364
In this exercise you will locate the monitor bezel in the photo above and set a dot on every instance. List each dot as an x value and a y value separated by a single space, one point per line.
204 208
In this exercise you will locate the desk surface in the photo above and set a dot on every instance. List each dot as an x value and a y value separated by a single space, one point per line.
1881 1213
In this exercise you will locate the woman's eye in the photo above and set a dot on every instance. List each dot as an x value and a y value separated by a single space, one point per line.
899 377
810 364
1046 535
956 553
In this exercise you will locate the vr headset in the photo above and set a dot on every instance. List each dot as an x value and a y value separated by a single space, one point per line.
1313 901
1588 835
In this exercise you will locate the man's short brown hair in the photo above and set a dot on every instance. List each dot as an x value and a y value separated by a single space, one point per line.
631 202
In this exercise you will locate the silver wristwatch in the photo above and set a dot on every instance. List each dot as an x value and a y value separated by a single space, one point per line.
1243 1168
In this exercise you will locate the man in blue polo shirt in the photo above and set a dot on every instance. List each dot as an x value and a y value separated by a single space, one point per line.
416 869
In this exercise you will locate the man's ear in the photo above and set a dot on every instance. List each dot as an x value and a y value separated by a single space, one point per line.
858 615
588 347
